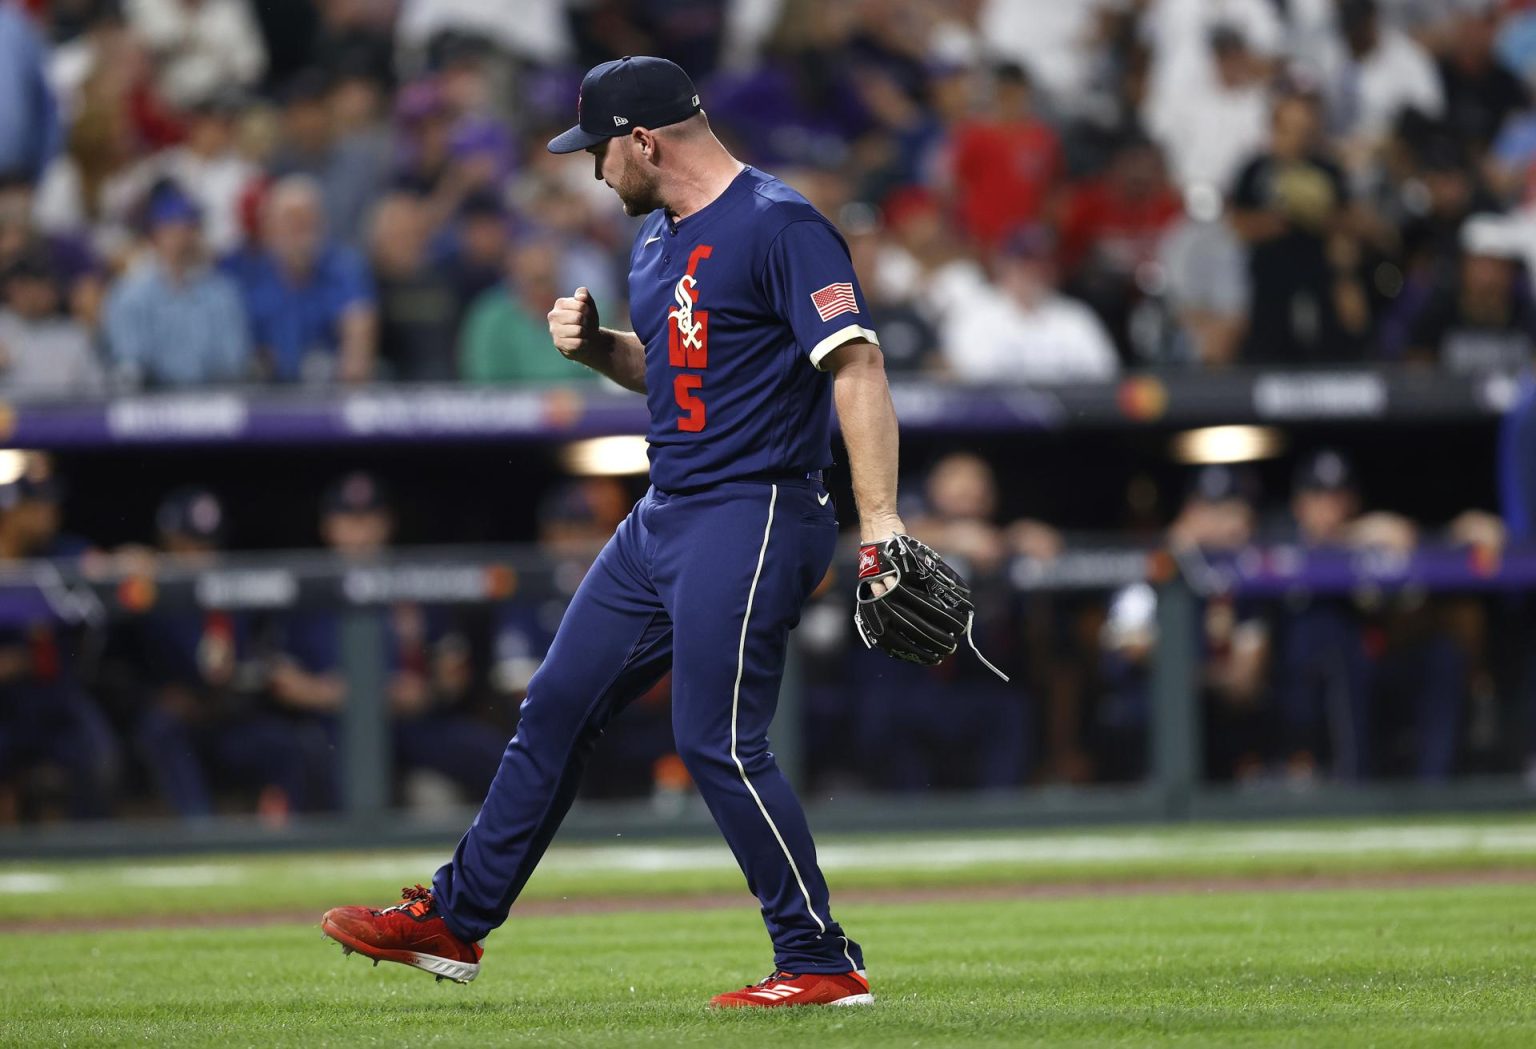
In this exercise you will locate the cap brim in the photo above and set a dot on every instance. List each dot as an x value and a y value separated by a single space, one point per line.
574 140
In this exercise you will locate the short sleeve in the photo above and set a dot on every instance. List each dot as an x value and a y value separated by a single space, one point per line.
1246 192
809 281
353 284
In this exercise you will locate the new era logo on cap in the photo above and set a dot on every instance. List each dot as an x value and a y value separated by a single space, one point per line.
833 300
620 121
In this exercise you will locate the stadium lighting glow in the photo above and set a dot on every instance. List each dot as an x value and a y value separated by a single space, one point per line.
1227 444
13 464
606 457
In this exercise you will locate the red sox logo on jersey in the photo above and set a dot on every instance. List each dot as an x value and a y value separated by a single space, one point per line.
688 343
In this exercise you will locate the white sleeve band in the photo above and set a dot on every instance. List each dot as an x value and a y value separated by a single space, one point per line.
837 338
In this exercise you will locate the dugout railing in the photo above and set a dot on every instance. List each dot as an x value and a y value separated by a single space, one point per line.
273 583
255 416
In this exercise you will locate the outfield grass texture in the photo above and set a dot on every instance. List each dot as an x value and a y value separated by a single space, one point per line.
1406 965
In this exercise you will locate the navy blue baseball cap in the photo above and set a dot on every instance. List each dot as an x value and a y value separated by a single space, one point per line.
1325 471
634 91
194 513
356 493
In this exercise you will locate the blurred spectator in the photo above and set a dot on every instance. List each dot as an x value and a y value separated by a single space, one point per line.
798 105
1333 693
1047 39
333 132
418 307
198 46
686 31
1372 72
1479 92
506 337
1322 680
1205 290
426 128
210 169
428 673
1005 163
474 249
93 188
1110 230
1440 192
30 131
174 320
594 248
206 724
1512 159
905 149
959 510
1484 320
1289 206
1209 122
908 341
538 33
53 737
42 352
1217 516
310 302
355 42
82 282
479 159
465 68
1025 330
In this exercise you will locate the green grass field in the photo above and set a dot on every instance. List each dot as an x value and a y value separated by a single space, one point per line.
1387 963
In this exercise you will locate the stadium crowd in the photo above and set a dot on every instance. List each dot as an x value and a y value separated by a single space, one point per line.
198 192
213 191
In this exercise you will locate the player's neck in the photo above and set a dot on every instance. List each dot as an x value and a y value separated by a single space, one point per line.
701 183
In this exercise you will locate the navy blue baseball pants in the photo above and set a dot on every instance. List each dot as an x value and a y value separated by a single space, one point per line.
709 583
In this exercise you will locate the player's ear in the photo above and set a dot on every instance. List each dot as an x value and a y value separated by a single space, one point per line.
645 143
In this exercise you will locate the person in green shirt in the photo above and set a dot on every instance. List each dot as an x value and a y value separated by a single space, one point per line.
505 337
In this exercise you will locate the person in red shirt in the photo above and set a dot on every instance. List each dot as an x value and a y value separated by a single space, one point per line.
1004 164
1110 228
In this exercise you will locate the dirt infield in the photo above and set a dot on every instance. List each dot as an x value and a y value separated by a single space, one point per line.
590 905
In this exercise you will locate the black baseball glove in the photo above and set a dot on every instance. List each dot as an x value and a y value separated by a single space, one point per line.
924 608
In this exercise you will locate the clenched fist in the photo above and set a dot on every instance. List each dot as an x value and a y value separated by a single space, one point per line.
573 324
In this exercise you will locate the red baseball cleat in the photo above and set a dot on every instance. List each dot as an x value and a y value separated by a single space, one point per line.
411 932
850 988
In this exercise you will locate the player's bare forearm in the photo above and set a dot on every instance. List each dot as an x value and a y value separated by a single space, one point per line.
620 355
868 421
574 327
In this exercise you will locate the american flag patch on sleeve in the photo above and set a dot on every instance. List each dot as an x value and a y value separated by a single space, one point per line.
833 300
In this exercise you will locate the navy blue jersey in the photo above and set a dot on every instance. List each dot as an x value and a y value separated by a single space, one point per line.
738 306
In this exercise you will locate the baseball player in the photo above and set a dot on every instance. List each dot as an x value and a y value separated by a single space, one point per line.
749 326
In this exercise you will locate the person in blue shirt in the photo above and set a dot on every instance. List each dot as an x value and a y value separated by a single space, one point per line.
749 326
30 131
174 321
310 301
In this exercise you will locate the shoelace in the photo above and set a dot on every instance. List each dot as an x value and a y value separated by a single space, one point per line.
414 899
774 977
